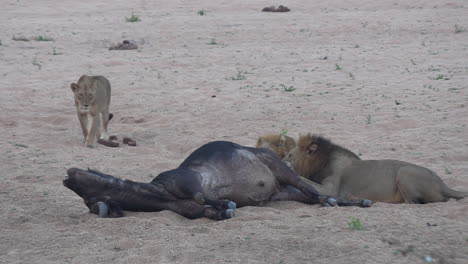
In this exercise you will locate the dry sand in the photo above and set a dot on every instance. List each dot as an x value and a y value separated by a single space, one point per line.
387 79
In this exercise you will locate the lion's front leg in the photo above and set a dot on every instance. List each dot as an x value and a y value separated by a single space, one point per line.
84 124
93 126
103 125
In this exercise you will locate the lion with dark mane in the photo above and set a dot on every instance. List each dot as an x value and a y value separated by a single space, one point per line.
336 171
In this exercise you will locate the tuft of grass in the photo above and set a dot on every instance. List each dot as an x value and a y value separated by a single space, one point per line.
134 18
459 29
442 77
284 132
20 145
55 52
239 77
354 223
43 38
213 42
338 67
288 89
35 62
201 12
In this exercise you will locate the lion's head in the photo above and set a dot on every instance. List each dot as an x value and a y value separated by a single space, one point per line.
311 154
85 93
278 143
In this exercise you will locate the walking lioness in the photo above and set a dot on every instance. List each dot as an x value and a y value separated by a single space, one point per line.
338 172
92 98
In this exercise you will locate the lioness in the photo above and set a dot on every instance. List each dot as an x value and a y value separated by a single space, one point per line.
92 97
280 144
336 171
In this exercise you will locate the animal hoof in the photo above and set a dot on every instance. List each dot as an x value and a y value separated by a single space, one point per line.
103 209
332 202
232 205
229 213
366 203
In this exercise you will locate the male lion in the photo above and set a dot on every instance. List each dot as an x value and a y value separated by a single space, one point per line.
92 97
336 171
280 144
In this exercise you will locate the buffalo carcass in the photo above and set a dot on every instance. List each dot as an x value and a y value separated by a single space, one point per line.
211 182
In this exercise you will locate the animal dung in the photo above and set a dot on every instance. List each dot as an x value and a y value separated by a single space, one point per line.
108 143
280 8
125 45
129 141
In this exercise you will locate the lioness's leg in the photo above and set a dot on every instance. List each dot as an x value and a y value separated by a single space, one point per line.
93 126
104 123
84 124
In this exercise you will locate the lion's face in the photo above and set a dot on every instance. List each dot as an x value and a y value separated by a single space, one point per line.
305 159
84 97
280 144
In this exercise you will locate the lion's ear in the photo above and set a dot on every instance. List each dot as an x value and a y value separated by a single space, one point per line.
282 139
312 148
74 87
259 141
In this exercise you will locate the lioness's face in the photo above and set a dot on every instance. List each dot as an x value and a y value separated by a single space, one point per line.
279 144
291 158
84 97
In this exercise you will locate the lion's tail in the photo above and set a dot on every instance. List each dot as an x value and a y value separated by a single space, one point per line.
450 193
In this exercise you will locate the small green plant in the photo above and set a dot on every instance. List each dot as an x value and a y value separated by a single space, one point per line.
284 132
442 77
35 62
213 42
354 223
459 29
338 67
447 171
288 89
201 12
240 76
43 38
133 18
55 52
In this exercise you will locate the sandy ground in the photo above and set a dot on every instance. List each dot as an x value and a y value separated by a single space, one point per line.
387 79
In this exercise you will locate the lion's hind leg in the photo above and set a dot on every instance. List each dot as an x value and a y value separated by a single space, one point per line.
419 186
